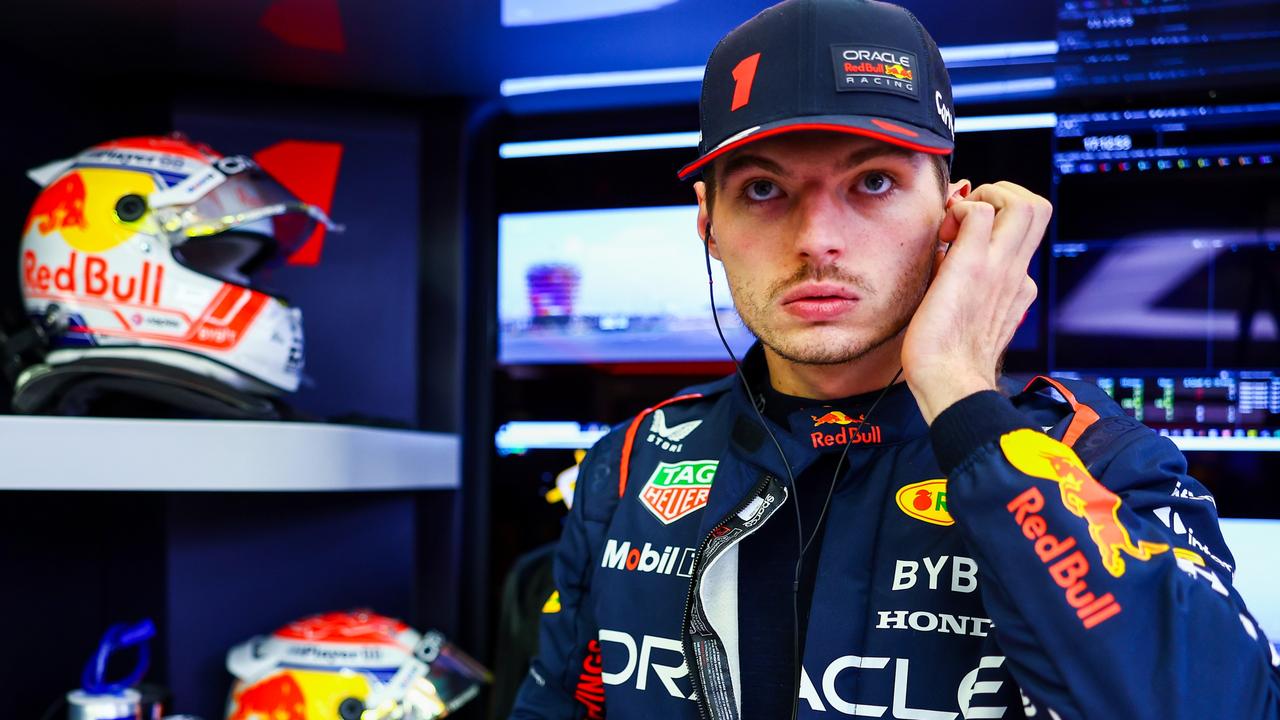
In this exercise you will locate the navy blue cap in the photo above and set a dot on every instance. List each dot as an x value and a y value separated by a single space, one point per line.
853 66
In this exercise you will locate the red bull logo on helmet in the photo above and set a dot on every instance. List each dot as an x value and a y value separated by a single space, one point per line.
297 694
61 205
279 697
81 208
93 276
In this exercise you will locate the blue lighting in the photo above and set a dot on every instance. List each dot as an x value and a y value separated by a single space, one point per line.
1004 87
667 141
582 146
517 13
991 53
998 51
589 81
988 123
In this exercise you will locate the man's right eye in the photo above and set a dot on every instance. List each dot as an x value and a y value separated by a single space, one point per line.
761 190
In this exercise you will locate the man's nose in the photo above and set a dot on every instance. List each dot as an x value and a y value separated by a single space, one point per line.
820 235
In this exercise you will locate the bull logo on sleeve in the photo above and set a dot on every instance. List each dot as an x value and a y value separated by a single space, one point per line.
1041 456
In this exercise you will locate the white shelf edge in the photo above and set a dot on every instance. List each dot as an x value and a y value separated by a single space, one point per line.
110 454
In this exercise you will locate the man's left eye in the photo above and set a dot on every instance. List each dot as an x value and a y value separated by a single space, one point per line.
760 190
876 183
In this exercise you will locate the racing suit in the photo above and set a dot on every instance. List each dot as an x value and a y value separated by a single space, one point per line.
1042 556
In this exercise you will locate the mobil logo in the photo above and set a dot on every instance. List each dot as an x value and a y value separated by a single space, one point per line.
670 560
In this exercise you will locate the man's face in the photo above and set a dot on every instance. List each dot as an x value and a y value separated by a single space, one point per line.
828 241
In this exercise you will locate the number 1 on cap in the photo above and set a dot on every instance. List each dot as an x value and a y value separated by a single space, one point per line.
743 76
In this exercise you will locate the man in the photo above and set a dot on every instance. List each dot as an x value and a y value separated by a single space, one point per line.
863 497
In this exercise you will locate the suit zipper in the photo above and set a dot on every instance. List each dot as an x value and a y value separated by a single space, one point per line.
694 677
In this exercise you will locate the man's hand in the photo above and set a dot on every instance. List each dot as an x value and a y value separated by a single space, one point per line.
979 294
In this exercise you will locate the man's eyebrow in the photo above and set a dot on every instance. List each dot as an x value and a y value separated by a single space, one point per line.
743 161
857 157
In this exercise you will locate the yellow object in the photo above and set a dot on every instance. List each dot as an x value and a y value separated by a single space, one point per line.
1039 455
926 501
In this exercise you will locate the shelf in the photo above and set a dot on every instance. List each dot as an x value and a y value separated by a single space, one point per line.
60 453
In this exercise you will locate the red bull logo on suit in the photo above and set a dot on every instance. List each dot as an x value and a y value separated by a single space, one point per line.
1038 455
846 435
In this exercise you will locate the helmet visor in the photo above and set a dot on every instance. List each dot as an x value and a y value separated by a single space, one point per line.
232 193
434 682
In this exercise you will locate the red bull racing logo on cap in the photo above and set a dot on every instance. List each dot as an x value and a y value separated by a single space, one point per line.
676 489
861 67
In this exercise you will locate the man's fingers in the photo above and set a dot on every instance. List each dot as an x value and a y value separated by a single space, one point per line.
1020 222
1014 215
955 219
1041 212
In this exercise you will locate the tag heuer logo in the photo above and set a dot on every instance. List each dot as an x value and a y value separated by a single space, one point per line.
669 438
677 489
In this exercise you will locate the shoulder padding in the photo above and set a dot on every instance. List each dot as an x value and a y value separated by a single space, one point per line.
1088 409
629 438
714 387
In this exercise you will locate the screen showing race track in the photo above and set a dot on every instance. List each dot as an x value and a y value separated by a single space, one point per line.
609 285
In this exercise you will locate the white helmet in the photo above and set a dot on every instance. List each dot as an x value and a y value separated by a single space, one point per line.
138 254
355 665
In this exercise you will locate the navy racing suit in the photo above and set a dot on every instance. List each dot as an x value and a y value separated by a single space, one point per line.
1041 555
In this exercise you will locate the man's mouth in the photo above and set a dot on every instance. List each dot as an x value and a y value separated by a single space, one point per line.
819 301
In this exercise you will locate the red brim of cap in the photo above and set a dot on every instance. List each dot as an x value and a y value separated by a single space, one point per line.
891 131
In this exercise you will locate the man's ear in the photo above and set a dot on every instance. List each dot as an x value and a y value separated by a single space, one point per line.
958 190
704 220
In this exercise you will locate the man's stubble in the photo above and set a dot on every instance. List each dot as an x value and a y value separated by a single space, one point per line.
906 295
